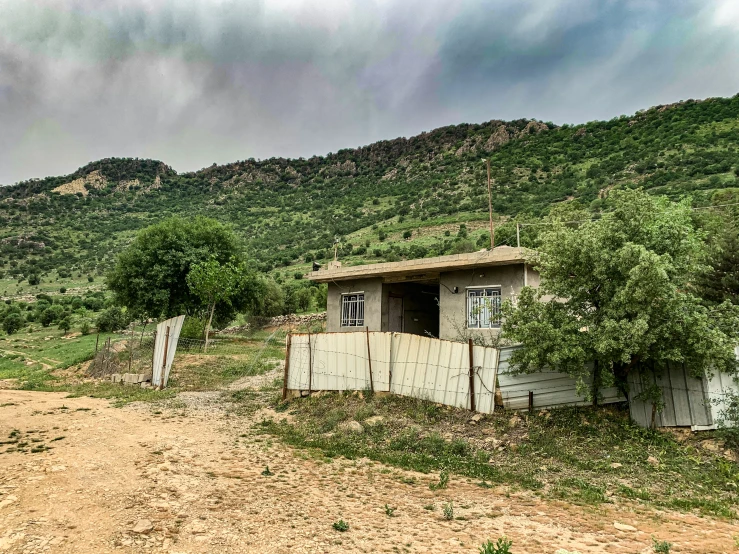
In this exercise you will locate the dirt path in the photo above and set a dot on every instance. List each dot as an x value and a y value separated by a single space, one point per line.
192 478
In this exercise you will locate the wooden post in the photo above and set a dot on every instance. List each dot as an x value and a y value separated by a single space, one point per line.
164 361
106 356
97 340
287 367
310 367
130 347
142 334
472 378
369 361
153 351
531 401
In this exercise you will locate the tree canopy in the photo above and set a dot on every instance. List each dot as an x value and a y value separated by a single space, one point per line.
615 291
150 275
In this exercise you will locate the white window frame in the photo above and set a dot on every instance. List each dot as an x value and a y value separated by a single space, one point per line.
479 312
352 309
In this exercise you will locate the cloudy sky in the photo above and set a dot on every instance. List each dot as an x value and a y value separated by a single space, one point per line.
192 82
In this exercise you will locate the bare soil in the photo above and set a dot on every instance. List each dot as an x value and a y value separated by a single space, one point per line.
195 472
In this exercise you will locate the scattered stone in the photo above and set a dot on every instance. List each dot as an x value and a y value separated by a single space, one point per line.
710 445
10 499
374 420
351 427
623 527
476 418
515 420
143 527
616 465
652 460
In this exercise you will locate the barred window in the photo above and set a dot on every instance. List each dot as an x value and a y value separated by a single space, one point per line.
483 307
352 310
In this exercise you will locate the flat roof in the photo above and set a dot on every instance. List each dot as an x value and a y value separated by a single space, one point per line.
422 268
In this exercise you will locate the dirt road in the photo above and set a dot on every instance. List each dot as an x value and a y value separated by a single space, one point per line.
189 479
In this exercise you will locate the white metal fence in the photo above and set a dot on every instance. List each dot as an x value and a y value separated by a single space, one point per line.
446 372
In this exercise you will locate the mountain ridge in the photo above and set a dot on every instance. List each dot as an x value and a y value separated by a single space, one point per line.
289 210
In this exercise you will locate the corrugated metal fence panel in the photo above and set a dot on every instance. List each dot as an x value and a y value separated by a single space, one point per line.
175 326
550 388
330 351
686 402
421 367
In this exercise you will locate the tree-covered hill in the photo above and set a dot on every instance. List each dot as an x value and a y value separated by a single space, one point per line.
391 199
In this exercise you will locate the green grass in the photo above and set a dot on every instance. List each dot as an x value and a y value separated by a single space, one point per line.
566 456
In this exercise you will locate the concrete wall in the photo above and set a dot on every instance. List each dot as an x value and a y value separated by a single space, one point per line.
372 289
453 306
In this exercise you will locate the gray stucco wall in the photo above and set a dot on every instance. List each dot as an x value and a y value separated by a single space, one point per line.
372 289
453 306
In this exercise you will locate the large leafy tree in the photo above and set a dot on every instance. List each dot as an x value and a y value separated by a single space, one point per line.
614 291
150 275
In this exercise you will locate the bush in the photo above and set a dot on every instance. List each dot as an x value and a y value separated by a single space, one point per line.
407 234
85 328
12 322
62 290
90 278
501 546
65 324
34 280
112 319
193 328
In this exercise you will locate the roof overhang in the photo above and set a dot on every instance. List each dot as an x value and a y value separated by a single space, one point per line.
423 269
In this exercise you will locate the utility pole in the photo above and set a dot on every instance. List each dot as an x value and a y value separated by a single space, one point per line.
490 207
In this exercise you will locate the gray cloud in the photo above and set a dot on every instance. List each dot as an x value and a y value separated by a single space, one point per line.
192 82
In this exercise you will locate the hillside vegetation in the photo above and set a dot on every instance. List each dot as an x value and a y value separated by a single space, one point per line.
389 200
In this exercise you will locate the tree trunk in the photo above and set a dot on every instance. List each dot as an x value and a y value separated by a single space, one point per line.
596 381
207 326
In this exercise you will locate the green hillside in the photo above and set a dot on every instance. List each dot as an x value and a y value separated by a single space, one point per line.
288 211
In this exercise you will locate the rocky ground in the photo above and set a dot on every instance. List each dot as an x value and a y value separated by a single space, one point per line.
190 476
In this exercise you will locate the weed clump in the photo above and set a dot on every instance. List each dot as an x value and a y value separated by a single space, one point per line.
501 546
341 526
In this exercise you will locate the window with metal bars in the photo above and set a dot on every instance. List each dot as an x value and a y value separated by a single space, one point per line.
352 310
483 307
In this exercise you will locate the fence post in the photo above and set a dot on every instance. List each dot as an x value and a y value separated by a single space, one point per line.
106 356
97 340
531 401
153 351
310 367
164 362
472 378
130 346
369 361
287 367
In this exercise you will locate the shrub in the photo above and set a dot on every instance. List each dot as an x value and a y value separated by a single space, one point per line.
193 328
62 290
85 328
65 324
90 278
448 511
341 525
112 319
501 546
407 234
34 279
12 322
661 547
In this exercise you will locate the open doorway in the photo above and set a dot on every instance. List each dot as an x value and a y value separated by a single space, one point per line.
411 308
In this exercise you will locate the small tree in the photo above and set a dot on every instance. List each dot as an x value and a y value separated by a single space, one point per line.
65 324
214 283
614 292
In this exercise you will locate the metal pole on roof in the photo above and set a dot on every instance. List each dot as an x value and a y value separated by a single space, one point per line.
490 208
518 235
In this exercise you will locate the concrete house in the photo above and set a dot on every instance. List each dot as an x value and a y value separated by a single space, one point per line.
431 296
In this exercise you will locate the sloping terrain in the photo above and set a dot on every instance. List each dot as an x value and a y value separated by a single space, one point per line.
290 210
